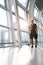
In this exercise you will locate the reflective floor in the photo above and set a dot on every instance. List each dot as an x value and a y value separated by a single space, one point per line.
21 56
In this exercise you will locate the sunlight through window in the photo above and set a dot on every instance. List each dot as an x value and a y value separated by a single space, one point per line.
23 25
35 13
3 17
2 2
21 12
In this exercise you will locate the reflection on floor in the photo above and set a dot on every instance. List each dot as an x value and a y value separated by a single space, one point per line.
21 56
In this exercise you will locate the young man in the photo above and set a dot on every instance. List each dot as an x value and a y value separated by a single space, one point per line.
33 33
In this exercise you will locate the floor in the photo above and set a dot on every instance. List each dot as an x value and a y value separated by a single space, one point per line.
21 56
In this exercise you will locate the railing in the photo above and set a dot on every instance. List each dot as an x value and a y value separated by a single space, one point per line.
5 45
15 44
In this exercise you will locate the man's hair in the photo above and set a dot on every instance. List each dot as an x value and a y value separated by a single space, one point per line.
32 21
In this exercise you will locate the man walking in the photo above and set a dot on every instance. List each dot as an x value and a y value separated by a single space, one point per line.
33 33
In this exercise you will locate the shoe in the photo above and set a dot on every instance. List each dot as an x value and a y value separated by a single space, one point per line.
35 46
32 47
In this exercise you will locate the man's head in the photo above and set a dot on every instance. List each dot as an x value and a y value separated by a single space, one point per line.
32 21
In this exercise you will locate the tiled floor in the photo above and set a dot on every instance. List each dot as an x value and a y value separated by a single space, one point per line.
21 56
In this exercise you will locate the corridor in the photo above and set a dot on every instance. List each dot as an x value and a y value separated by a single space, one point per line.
17 32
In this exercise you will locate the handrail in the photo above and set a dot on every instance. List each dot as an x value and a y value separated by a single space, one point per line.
16 42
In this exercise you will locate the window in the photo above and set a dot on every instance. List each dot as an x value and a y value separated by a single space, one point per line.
42 21
10 35
37 23
39 18
40 32
2 2
14 21
23 2
42 39
16 36
8 19
40 25
3 35
13 9
3 18
21 12
35 13
6 36
24 37
23 25
39 38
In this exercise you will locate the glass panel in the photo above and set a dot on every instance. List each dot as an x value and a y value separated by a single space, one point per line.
24 37
39 39
37 23
13 9
13 5
2 2
21 12
42 39
23 2
3 18
8 19
16 37
35 13
14 21
10 35
40 32
3 35
23 25
40 25
42 21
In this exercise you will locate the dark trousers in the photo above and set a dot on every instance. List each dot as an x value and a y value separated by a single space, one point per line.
31 39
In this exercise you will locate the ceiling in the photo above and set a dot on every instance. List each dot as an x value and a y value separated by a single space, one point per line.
39 4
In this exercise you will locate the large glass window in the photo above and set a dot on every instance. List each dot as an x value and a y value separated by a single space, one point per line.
8 19
40 25
37 23
14 21
16 36
21 12
35 13
2 2
13 8
23 25
40 32
39 38
10 35
23 2
3 35
3 18
42 39
42 21
24 37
